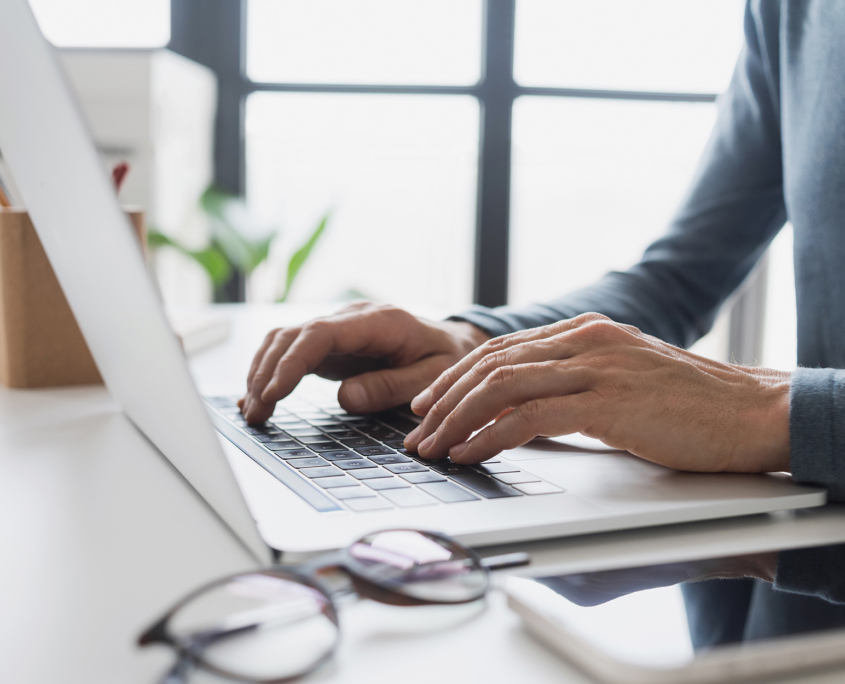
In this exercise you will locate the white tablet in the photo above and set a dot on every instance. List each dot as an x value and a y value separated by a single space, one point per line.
708 620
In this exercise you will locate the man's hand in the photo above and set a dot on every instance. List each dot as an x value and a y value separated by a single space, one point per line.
611 382
388 355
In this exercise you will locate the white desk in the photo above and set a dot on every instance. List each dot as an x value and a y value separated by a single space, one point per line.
98 535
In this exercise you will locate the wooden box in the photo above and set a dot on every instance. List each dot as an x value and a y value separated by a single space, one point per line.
40 342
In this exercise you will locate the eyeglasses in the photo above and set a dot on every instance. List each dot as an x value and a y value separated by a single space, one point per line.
274 625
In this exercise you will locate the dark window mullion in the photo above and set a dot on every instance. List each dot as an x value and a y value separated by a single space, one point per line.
497 95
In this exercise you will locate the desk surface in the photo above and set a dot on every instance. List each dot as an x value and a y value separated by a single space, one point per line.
99 535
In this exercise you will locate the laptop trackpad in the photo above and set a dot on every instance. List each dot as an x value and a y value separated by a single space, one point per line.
556 447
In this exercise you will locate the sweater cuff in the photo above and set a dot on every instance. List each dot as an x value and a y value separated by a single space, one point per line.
817 429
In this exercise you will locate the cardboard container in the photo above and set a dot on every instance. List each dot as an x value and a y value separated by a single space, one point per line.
40 342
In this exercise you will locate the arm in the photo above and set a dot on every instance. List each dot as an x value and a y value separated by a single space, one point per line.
733 210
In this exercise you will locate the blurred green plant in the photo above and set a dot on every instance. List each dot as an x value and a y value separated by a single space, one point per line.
238 243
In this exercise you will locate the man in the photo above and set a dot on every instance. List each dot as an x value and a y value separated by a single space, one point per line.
777 153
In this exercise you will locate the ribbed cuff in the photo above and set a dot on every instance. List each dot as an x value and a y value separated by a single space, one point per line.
817 429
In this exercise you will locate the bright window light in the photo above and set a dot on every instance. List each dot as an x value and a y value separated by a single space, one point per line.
104 23
658 45
594 182
365 41
400 173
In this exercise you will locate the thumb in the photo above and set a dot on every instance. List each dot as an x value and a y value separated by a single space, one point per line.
383 389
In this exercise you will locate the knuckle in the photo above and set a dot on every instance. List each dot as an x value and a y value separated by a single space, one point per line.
500 379
529 414
318 326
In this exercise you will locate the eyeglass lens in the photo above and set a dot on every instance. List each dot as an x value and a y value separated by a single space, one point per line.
420 566
257 626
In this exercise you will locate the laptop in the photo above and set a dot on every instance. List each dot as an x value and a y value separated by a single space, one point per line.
313 477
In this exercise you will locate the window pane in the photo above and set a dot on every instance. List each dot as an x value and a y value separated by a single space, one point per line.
594 182
659 45
366 41
399 171
104 23
780 329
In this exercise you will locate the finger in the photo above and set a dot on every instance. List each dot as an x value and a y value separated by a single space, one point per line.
423 403
259 356
548 349
365 334
384 389
505 388
267 368
556 416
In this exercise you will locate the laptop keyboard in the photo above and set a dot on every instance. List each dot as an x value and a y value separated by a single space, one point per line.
361 461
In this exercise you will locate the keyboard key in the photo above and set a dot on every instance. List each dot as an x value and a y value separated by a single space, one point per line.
355 492
408 498
324 446
428 476
359 442
338 455
326 423
449 468
317 438
448 492
392 458
406 468
387 483
294 453
368 504
339 481
369 473
516 478
324 471
307 462
395 443
271 437
352 419
374 451
534 488
486 486
398 422
341 434
281 446
354 464
496 468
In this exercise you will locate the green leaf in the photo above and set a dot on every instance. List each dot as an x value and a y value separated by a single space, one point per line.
297 261
231 225
211 259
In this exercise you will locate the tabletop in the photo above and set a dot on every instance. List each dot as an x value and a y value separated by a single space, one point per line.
99 534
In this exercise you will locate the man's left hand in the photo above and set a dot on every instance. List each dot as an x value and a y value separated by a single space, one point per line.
611 382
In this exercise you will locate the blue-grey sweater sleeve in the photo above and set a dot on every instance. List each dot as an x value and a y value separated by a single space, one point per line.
732 211
817 429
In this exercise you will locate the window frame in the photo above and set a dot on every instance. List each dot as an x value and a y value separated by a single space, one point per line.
213 32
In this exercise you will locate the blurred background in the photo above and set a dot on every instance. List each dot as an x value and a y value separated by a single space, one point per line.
429 153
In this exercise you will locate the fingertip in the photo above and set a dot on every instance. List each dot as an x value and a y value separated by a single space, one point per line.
457 450
419 404
353 397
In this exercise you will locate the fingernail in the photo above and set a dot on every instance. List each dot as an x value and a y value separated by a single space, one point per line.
267 394
356 396
413 435
421 400
458 449
426 443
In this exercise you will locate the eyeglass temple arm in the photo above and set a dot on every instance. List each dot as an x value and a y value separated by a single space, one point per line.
507 560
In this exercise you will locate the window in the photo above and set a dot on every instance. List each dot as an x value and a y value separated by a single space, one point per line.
104 23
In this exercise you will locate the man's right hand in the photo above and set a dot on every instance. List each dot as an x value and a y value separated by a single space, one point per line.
384 355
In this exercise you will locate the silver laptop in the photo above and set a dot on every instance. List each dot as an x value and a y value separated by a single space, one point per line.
313 477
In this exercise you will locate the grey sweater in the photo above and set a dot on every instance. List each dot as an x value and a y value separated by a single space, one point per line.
777 153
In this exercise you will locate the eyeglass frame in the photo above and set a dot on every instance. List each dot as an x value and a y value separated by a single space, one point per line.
307 573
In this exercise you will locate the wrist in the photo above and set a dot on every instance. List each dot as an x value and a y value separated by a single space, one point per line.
773 423
466 335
